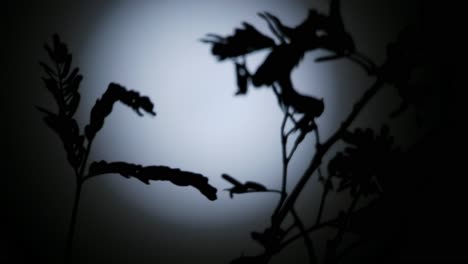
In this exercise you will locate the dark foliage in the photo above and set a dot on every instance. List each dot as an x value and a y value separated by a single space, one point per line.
369 166
155 173
103 106
64 86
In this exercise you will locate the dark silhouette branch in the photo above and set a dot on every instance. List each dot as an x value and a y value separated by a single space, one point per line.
79 184
71 228
64 85
307 240
322 150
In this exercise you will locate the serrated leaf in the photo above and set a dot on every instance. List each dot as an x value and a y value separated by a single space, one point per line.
156 173
63 88
103 106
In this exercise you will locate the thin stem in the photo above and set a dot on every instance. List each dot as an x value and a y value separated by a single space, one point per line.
307 240
326 184
322 150
79 184
294 148
71 230
284 142
85 160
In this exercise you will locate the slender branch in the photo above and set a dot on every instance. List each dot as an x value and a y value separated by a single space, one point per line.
307 240
284 142
79 184
322 150
85 159
71 228
294 148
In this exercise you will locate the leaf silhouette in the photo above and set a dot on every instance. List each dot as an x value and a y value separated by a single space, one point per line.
155 173
245 40
68 131
336 38
278 65
64 87
103 106
246 187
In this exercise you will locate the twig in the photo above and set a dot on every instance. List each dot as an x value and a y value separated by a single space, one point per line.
307 240
296 144
284 142
322 150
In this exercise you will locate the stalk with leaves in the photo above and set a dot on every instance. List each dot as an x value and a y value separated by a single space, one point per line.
64 83
363 168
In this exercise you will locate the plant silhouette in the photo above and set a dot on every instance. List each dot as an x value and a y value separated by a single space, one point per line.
64 84
364 168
